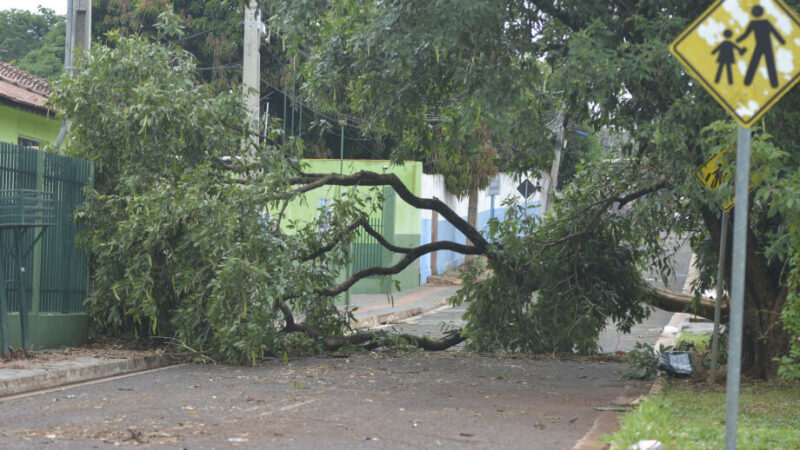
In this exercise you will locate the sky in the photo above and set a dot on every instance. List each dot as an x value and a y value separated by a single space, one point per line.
59 6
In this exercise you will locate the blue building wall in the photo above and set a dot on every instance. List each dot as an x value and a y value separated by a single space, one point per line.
445 259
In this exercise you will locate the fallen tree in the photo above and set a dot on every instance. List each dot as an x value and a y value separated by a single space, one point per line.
476 66
189 239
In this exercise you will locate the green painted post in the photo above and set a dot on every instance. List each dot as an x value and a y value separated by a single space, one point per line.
37 249
23 301
3 306
389 210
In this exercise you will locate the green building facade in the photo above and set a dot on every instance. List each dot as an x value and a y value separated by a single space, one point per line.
18 126
398 221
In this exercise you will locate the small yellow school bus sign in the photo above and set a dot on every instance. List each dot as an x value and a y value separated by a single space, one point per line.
715 172
746 53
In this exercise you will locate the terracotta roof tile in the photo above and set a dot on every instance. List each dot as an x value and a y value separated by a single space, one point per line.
23 87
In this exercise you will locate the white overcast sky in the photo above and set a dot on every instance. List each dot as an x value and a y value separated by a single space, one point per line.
59 6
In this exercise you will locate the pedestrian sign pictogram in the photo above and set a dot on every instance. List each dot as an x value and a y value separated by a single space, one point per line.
746 53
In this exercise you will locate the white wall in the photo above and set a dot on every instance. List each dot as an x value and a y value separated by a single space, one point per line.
433 186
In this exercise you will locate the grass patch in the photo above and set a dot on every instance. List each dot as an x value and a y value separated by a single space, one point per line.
688 416
699 340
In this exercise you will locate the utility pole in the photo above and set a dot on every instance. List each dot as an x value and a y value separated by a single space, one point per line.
552 182
79 36
251 71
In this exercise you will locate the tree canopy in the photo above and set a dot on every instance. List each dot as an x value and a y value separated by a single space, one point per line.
442 80
33 41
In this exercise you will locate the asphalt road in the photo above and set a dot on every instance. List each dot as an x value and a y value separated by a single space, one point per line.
372 400
417 400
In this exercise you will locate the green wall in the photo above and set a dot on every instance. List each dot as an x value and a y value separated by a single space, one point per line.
15 123
50 330
401 221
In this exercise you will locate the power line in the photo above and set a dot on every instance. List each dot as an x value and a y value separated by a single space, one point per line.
318 113
226 66
200 33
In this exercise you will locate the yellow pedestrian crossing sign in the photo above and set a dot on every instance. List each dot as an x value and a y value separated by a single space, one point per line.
746 53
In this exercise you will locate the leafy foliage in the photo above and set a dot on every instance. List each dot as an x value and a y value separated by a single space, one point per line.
644 361
555 285
442 79
454 83
182 246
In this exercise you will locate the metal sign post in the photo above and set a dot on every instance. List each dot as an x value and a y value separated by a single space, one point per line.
737 286
723 247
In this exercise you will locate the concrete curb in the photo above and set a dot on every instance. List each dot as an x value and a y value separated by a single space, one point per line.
608 421
396 316
68 372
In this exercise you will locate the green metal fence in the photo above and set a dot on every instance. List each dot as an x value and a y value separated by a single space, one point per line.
56 278
367 252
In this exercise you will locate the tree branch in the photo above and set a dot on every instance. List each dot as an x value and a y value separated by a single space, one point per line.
604 205
410 256
549 8
366 178
334 242
675 302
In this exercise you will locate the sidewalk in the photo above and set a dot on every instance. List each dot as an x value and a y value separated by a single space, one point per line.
381 309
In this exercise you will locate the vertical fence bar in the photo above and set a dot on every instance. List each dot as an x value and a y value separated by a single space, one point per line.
3 307
23 304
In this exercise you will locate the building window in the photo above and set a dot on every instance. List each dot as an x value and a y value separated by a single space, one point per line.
25 142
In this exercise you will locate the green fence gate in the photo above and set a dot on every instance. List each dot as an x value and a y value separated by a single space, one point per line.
57 278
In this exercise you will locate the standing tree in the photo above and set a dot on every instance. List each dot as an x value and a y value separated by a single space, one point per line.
33 41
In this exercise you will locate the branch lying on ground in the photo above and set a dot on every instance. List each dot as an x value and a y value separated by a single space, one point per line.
177 342
371 339
368 338
675 302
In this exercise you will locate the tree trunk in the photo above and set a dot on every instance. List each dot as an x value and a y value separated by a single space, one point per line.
763 336
472 219
677 302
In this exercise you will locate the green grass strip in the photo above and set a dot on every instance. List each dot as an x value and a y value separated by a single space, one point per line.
693 417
